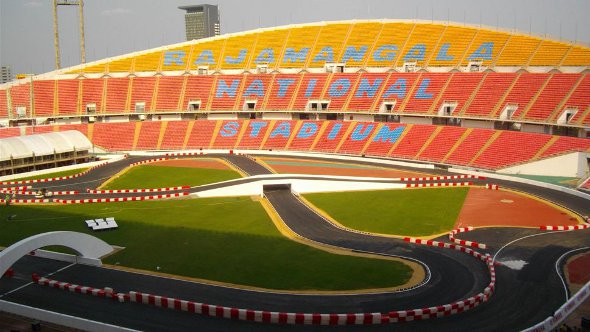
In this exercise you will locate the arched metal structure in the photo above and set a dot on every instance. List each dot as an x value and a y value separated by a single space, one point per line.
87 246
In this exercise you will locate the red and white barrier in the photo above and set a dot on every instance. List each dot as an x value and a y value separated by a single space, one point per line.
565 228
148 161
53 179
463 242
492 186
126 191
119 199
26 201
8 190
438 184
69 287
290 318
448 177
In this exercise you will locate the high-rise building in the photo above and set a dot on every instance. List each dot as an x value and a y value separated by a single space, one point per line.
201 21
5 74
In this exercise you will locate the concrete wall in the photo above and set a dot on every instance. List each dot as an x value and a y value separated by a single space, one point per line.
277 116
533 128
571 165
303 186
477 124
359 117
222 116
415 120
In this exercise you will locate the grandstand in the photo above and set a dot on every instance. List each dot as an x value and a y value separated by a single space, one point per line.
457 95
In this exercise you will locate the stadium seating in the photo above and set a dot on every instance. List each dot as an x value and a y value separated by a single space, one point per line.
441 144
332 136
253 135
21 98
224 140
539 97
412 142
459 89
198 89
510 148
565 144
523 91
67 97
355 141
309 131
149 133
142 91
201 134
557 88
114 136
92 92
279 135
3 104
174 135
44 92
116 91
469 148
169 90
381 146
480 148
491 91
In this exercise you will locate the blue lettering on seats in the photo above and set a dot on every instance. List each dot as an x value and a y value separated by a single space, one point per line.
223 88
422 94
339 87
284 84
174 58
368 89
307 130
398 88
386 135
256 127
326 54
483 52
283 129
416 53
359 134
385 53
205 58
335 130
229 129
255 88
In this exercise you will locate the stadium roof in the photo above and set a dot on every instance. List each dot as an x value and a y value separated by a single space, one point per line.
43 144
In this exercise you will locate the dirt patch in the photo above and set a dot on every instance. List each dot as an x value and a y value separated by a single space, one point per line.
193 163
485 207
578 270
315 167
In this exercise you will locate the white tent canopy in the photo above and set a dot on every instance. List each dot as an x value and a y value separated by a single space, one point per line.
43 144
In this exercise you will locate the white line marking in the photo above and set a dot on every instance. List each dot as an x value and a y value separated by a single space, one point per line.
30 283
559 273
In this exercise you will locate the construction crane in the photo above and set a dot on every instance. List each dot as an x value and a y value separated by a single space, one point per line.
80 4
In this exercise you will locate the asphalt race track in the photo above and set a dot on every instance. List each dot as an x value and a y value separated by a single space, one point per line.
521 299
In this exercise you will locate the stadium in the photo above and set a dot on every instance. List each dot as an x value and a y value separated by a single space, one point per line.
350 175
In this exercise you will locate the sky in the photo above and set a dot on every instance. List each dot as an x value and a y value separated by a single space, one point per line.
114 27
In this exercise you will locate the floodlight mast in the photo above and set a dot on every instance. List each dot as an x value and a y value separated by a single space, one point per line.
80 4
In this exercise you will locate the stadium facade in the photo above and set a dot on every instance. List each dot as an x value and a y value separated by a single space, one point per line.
494 87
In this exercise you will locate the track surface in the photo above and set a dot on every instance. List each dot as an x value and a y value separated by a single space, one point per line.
522 298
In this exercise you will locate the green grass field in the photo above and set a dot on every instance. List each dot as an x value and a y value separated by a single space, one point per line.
416 212
52 175
152 176
221 239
